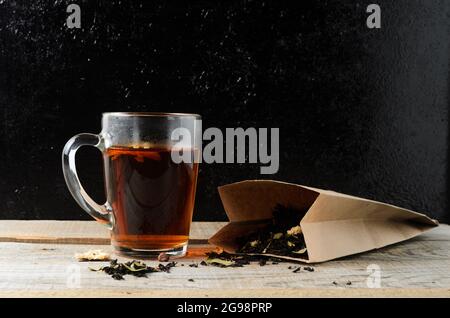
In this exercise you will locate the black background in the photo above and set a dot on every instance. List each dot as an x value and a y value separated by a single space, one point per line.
360 111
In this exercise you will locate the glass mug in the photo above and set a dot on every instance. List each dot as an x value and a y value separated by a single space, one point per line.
150 186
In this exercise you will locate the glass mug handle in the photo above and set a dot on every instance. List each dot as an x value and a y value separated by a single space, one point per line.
101 213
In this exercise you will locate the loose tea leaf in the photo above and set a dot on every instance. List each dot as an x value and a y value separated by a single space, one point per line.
297 270
218 261
302 251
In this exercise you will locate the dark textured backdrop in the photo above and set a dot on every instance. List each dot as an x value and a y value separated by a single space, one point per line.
360 111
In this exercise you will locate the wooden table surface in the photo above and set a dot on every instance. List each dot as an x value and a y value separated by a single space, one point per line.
37 259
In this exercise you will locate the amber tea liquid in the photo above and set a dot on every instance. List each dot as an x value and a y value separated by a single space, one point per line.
152 198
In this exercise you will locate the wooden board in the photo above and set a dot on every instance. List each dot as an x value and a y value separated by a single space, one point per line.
419 267
80 232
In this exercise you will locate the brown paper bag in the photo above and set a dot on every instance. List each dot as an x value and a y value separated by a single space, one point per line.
335 224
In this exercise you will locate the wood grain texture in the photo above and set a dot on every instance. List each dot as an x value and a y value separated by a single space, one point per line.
419 267
232 293
80 232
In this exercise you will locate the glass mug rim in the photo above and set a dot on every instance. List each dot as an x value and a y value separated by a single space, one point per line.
151 114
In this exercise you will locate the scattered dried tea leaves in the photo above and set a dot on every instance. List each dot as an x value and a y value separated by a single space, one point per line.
283 236
239 260
117 276
297 270
92 255
166 268
135 268
220 262
225 259
193 265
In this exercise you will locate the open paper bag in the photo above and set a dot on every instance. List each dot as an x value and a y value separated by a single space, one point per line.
335 224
